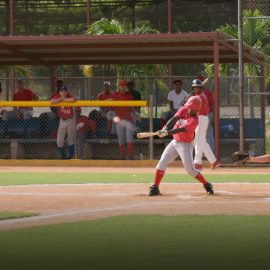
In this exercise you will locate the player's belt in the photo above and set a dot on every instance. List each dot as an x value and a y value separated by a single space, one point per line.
64 119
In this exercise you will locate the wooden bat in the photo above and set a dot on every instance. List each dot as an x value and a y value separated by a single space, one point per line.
142 135
204 82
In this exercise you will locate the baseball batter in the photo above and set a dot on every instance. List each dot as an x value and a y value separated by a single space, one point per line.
184 123
201 144
66 124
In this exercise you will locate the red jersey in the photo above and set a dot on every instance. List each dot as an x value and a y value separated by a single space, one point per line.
205 106
188 122
209 97
64 112
106 95
25 95
54 94
123 112
83 123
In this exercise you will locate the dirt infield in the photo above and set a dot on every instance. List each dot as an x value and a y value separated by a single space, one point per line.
66 203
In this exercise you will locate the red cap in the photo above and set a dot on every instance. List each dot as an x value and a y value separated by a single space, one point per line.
194 103
122 83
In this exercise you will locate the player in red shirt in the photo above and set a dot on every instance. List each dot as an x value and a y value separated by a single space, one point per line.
201 145
83 125
21 94
124 127
210 129
66 124
184 123
58 85
107 93
108 112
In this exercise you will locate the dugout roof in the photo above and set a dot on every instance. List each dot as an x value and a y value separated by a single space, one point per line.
174 48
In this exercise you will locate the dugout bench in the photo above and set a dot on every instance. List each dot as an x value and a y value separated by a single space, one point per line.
26 139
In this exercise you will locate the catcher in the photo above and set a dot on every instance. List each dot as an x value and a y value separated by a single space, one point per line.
241 157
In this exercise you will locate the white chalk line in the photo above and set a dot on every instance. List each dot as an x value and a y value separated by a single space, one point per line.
86 193
123 207
126 184
70 194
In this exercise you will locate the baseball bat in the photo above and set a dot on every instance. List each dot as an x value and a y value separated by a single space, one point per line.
204 82
141 135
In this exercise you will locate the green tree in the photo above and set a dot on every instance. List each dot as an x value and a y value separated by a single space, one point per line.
255 34
113 26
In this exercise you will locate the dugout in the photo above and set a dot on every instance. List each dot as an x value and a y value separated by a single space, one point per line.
172 48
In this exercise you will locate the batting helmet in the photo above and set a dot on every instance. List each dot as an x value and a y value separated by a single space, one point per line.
197 83
194 103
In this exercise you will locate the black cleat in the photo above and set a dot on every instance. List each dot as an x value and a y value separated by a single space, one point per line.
154 191
209 188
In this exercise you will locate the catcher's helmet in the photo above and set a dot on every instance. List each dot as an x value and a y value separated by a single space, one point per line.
194 103
197 83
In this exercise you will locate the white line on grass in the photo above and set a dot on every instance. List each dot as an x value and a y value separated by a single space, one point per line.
123 207
127 184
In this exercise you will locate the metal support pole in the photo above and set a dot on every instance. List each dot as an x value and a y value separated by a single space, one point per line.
151 124
263 98
241 82
11 17
216 97
52 78
75 133
88 13
169 16
133 14
169 31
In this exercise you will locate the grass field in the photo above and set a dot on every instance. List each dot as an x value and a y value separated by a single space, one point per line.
142 242
8 215
80 178
135 241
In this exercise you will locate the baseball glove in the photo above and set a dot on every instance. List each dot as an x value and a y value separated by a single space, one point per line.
240 157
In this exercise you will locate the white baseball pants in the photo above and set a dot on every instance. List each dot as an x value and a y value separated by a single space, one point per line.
66 127
175 149
125 131
201 144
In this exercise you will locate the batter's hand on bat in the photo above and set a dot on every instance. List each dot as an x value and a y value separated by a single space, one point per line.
162 133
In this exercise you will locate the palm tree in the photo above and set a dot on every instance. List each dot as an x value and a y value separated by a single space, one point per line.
113 26
255 34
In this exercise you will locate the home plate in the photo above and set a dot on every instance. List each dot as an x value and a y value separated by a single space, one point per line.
188 197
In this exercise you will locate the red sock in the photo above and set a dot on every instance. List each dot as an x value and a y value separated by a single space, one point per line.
122 150
200 178
158 177
130 149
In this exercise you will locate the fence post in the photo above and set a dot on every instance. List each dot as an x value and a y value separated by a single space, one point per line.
75 133
151 140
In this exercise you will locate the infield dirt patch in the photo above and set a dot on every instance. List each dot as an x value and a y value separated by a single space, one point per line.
67 203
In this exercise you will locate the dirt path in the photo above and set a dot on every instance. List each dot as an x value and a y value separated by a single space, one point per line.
67 203
172 170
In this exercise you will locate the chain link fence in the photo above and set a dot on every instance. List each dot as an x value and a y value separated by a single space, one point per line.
36 137
71 17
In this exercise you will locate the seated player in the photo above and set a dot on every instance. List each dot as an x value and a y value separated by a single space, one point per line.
83 126
21 94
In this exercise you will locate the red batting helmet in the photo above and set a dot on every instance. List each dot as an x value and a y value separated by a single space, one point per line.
194 103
